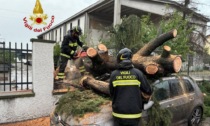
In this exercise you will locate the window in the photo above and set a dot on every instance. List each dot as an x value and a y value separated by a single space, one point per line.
175 88
70 26
78 22
188 86
49 36
171 88
56 35
52 35
60 34
161 91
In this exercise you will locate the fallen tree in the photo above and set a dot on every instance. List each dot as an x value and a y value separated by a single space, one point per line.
100 65
161 64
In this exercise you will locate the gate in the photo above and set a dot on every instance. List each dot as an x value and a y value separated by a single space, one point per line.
15 68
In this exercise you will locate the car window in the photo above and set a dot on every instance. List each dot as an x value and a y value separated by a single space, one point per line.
175 88
188 86
161 91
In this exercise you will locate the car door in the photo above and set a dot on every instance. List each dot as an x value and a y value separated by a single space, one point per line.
190 95
169 93
178 101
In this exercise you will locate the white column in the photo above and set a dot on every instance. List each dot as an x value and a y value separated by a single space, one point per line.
117 12
43 66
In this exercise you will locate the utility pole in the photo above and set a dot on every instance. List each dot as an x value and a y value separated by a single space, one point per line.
117 12
186 3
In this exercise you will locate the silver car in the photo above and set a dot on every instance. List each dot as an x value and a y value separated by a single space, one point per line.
180 94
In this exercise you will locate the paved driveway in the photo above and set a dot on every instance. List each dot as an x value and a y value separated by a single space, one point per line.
206 122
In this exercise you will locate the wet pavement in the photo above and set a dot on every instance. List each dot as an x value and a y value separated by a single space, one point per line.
206 122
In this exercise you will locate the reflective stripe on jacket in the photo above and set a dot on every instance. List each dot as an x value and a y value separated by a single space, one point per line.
61 75
127 116
73 44
65 55
126 83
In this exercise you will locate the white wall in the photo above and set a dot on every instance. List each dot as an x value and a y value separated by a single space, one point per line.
97 30
74 23
24 108
96 37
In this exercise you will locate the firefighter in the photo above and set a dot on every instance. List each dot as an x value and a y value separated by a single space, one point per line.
68 49
126 85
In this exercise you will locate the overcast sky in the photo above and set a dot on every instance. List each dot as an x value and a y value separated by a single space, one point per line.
12 13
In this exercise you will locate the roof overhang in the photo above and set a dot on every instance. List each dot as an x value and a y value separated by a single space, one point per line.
105 10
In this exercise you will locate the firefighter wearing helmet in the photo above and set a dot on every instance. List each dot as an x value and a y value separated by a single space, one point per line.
126 84
68 49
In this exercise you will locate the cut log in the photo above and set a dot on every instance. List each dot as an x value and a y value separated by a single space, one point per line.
100 86
94 56
151 68
171 64
99 64
102 47
165 62
146 65
152 45
166 52
103 52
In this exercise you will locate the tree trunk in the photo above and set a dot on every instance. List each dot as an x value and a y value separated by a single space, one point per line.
103 52
152 45
100 86
162 63
101 62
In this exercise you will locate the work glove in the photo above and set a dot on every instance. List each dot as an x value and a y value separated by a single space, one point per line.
73 54
148 105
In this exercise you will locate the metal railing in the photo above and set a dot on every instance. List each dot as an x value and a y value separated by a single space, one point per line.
15 68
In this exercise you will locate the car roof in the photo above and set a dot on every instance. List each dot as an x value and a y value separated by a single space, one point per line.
170 77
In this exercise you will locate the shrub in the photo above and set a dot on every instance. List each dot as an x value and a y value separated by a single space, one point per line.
205 88
77 103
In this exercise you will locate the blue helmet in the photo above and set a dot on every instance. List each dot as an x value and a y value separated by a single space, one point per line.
124 54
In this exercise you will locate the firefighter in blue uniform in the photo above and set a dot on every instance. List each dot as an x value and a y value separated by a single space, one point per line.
126 85
68 49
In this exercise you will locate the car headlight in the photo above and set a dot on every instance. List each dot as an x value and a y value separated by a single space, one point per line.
204 94
55 118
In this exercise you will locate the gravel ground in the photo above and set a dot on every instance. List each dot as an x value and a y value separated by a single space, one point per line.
206 122
44 121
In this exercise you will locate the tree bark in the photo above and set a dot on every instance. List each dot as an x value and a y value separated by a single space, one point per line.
103 52
101 62
161 63
152 45
100 86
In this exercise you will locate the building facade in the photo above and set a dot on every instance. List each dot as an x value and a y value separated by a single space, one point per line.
96 17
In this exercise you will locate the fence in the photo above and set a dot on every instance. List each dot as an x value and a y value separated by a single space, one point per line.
198 67
39 102
15 68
